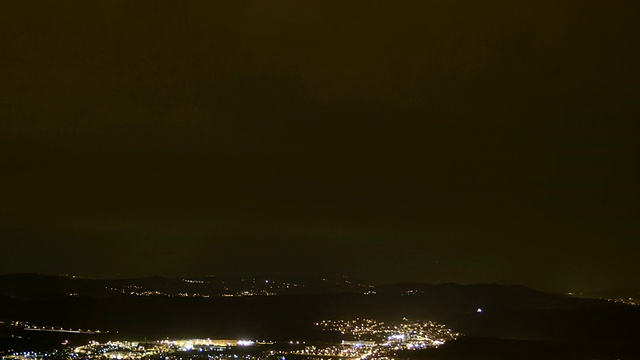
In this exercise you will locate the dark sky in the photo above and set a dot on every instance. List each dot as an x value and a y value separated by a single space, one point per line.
436 141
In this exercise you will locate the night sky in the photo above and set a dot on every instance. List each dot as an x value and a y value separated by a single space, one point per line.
434 141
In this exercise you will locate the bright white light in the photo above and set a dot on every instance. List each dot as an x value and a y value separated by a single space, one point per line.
479 310
245 342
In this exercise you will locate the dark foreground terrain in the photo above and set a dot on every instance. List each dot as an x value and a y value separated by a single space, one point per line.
495 349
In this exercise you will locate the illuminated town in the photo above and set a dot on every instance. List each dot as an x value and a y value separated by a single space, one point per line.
626 301
367 339
405 334
211 286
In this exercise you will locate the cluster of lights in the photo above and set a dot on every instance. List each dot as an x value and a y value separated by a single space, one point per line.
406 333
190 281
125 350
377 339
342 351
626 301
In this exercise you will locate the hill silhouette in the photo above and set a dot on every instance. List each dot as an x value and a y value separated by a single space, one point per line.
508 312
